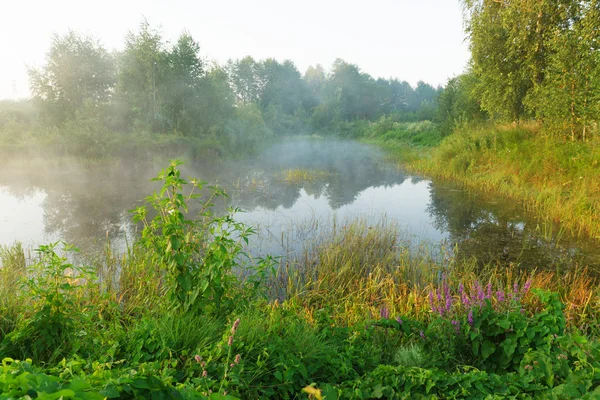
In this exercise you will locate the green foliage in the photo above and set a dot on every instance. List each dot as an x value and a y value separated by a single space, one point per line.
78 71
500 341
198 255
55 287
548 70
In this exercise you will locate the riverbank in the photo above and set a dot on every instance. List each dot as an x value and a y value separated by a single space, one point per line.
555 179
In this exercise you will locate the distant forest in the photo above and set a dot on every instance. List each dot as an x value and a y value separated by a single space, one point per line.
156 86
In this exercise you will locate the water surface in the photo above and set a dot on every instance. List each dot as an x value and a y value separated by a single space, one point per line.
85 206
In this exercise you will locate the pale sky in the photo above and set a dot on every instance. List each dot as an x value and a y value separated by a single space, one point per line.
407 39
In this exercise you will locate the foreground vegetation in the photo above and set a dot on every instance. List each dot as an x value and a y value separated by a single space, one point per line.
360 316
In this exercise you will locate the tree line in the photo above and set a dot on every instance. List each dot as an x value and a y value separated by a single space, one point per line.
156 86
535 59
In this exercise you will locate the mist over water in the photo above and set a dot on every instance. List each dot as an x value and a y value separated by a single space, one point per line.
87 206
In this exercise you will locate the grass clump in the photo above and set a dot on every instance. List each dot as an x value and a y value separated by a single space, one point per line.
298 175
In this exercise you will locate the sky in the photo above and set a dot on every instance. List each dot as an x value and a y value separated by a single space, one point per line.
410 40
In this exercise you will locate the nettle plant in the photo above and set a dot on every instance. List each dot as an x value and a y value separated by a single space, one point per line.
198 254
57 289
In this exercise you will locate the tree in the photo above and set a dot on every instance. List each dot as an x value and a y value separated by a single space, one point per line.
78 72
568 99
353 94
246 80
143 68
315 77
183 83
457 103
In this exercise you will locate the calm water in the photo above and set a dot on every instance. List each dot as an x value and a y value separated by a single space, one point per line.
86 206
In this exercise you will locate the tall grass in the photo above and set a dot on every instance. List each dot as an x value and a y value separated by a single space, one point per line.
364 268
558 180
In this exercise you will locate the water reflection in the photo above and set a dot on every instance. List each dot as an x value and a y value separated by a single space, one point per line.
496 231
86 205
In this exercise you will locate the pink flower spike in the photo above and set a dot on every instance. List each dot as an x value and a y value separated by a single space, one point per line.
526 287
235 326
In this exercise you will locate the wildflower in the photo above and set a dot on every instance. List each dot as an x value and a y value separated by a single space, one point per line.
198 358
500 296
516 290
528 367
203 364
384 312
204 374
422 335
399 320
526 287
489 291
448 298
231 365
230 341
480 295
470 317
235 326
237 359
448 303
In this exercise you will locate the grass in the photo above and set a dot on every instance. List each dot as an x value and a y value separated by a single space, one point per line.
556 179
315 334
298 175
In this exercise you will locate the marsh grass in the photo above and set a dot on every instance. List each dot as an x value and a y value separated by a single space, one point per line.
557 180
298 175
362 268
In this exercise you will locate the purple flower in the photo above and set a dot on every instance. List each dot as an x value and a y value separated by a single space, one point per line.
448 302
422 335
526 287
515 293
431 301
384 312
480 295
448 298
399 320
470 317
500 296
489 291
